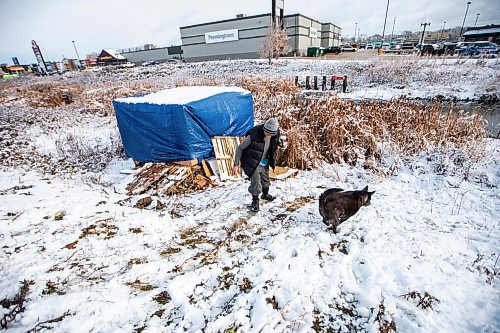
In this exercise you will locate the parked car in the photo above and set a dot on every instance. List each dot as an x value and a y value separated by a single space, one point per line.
394 48
174 61
448 48
347 48
428 49
363 46
333 49
127 65
478 48
407 47
149 63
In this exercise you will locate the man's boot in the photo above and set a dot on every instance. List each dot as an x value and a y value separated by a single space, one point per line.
254 207
266 196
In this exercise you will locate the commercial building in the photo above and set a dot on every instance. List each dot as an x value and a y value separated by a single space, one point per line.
485 33
152 53
244 36
110 57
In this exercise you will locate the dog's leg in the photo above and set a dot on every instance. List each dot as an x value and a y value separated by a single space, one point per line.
334 226
334 222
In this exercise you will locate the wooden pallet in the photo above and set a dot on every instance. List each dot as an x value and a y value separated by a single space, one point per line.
174 178
159 177
146 177
224 149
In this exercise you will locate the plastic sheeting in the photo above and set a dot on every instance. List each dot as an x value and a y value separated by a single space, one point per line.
156 132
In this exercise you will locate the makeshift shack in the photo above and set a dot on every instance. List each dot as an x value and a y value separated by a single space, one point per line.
178 124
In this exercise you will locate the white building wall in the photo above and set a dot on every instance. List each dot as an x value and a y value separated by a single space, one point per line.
252 32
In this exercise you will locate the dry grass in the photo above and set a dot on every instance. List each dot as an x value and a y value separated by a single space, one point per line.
338 131
316 128
93 98
329 129
334 130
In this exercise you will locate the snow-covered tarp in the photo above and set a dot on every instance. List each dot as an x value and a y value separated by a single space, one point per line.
177 124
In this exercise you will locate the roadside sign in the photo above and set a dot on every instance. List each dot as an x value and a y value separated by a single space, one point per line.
39 57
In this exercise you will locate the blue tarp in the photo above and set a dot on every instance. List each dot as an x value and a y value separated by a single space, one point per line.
163 132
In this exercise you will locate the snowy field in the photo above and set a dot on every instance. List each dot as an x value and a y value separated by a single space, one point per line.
423 257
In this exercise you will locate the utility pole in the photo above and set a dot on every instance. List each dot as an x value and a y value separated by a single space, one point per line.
77 56
392 33
423 37
385 20
462 28
477 16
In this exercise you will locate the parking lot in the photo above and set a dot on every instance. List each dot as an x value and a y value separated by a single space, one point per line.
360 55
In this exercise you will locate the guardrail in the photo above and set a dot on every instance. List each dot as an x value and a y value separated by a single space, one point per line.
324 82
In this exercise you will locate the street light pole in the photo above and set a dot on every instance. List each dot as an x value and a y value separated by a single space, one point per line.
355 31
392 33
462 28
77 56
442 31
385 20
477 16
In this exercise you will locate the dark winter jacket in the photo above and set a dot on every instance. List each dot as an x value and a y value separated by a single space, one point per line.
252 155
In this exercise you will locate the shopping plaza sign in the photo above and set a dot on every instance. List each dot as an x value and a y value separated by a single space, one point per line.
221 36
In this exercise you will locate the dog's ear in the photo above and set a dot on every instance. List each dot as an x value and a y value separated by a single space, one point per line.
371 193
365 189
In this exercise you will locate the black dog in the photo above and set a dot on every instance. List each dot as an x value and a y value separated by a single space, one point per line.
337 205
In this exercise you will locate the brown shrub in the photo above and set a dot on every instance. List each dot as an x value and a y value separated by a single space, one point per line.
324 127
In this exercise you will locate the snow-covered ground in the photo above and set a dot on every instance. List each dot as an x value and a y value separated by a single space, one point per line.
423 257
379 78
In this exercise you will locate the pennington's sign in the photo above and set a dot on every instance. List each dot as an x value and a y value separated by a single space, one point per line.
221 36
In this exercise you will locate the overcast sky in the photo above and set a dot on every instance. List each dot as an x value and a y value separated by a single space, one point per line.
98 24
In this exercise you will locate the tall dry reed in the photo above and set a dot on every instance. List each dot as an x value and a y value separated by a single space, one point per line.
326 128
334 130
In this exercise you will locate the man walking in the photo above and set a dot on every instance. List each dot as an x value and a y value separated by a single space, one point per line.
257 153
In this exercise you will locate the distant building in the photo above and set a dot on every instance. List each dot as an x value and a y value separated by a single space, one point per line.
485 33
155 54
110 56
243 36
16 69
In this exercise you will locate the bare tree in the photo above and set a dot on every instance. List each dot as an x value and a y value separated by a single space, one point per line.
276 43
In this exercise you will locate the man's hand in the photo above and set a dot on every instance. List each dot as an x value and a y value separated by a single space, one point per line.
236 170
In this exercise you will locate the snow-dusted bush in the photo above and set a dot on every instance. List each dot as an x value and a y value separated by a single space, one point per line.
80 153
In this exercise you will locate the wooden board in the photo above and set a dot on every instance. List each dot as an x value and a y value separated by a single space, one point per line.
147 176
207 170
224 149
159 178
189 163
173 179
281 173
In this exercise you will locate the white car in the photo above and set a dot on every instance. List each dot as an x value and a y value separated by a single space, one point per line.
127 65
174 61
348 48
